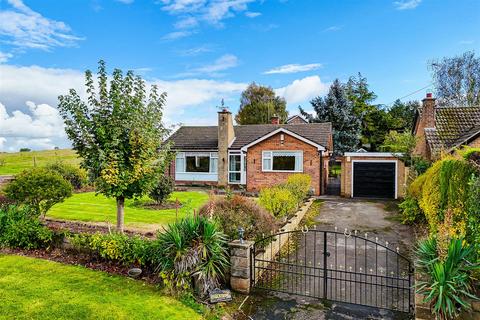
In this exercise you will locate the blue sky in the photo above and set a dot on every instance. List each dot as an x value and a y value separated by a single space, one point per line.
201 51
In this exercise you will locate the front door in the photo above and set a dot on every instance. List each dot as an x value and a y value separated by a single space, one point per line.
236 168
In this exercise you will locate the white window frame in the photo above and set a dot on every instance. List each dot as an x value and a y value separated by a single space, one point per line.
183 155
269 154
241 171
381 161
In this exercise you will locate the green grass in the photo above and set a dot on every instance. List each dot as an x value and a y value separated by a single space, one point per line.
13 163
90 208
40 289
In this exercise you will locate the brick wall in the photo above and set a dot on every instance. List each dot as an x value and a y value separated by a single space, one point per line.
475 143
346 175
257 179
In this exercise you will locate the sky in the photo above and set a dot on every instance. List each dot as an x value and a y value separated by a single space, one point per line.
202 51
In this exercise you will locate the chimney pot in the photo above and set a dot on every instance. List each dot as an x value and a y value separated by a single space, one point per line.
429 95
275 120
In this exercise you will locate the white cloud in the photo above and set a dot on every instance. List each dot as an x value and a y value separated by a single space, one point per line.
22 27
251 14
37 126
196 51
294 68
406 4
332 29
191 12
4 56
302 90
176 35
42 125
225 62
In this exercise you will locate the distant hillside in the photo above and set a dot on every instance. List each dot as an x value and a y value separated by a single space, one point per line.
13 163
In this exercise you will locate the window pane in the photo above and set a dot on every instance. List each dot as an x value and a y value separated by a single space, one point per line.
284 163
179 165
197 164
267 164
213 165
234 176
235 163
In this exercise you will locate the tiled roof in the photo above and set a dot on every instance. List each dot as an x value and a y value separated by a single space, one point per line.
453 126
206 138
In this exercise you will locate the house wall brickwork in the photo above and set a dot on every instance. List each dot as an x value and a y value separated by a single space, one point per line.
346 174
257 179
426 120
475 143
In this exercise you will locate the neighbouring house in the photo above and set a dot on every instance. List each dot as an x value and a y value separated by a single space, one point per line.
252 156
442 129
296 119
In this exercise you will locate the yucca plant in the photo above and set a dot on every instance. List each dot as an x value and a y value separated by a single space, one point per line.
193 247
449 282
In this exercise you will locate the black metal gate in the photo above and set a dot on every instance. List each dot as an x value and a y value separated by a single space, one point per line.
336 266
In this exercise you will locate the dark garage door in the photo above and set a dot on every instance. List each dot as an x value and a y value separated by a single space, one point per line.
374 179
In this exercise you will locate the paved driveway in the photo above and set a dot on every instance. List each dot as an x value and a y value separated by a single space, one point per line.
379 219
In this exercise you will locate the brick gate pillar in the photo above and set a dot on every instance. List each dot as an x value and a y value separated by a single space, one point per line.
240 263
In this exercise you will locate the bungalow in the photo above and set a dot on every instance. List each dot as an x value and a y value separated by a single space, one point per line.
442 129
252 156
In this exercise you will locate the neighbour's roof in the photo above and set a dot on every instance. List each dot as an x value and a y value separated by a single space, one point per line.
206 138
454 126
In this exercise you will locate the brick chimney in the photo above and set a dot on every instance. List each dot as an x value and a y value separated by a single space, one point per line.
428 111
226 134
275 120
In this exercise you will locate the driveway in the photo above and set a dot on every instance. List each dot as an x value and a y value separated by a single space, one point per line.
380 221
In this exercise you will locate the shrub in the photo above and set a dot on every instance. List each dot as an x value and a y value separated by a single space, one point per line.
299 185
163 189
411 212
20 228
278 201
420 165
39 188
117 247
449 280
76 176
192 247
240 212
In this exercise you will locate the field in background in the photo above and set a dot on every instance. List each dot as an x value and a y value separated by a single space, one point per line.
40 289
88 207
13 163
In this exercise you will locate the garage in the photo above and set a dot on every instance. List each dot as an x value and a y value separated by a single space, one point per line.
374 179
372 175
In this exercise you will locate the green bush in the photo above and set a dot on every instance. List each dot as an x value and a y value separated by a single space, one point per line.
449 281
20 228
420 165
299 185
117 247
278 200
192 247
163 189
231 214
76 176
411 212
39 188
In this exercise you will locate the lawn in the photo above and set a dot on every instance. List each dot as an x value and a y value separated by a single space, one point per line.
39 289
13 163
90 208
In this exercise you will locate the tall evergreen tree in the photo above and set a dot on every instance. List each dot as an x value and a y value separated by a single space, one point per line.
401 115
118 134
258 104
336 108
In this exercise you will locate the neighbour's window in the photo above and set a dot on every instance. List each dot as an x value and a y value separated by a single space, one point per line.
206 162
282 161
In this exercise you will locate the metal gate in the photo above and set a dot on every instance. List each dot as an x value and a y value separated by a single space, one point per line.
336 266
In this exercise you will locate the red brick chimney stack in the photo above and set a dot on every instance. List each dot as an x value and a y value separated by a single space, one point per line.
275 120
428 111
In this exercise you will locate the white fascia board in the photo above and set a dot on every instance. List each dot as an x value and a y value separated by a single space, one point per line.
283 130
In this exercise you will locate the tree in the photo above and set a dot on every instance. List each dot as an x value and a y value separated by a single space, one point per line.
402 114
457 80
258 104
337 109
39 188
118 134
163 188
400 143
